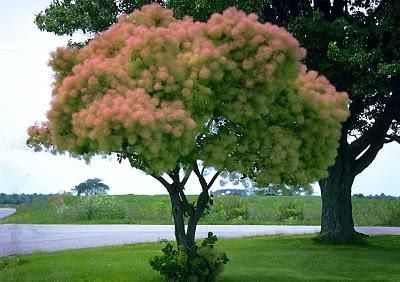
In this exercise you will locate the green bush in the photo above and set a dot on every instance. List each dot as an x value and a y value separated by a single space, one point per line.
230 208
21 260
3 264
394 216
204 264
290 211
93 208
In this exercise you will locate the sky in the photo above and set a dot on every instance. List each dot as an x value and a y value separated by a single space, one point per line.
25 91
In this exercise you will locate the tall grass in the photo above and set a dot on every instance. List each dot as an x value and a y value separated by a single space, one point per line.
138 209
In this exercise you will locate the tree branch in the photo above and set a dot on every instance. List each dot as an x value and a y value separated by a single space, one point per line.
163 182
203 182
213 179
380 127
392 138
175 175
186 177
183 198
373 140
367 158
378 9
202 170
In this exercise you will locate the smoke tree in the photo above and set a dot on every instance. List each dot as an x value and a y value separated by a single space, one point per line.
176 96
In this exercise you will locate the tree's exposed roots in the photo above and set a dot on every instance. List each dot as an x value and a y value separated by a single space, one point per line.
357 238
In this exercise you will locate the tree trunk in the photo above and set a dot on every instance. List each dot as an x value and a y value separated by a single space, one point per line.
179 222
337 219
181 208
187 238
194 218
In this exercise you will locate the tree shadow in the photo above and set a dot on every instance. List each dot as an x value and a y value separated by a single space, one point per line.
361 241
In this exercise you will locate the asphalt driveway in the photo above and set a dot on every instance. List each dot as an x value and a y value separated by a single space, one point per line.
6 212
28 238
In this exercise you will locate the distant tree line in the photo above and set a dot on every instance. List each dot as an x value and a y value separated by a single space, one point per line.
382 196
17 199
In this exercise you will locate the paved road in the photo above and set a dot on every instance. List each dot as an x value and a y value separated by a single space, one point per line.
28 238
6 212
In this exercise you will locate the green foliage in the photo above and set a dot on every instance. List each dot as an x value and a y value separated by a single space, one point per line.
235 178
3 264
17 199
230 208
61 17
156 104
260 210
93 186
290 211
92 16
93 208
284 190
20 260
394 216
8 262
205 263
203 9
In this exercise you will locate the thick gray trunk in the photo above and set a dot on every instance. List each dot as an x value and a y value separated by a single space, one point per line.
337 219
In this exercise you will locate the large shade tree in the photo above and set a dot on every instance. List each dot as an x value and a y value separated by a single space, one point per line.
90 187
353 42
177 96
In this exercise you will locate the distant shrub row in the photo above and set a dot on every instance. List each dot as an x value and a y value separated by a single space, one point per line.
382 196
17 199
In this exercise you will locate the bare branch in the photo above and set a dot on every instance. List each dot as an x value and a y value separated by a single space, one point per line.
203 182
186 177
380 127
174 177
183 197
367 158
163 182
213 179
392 138
203 169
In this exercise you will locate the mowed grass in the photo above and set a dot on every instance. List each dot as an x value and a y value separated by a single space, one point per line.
226 210
284 258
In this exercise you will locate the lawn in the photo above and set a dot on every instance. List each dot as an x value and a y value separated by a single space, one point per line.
252 259
226 210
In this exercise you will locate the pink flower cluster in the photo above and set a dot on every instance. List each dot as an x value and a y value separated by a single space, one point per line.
152 83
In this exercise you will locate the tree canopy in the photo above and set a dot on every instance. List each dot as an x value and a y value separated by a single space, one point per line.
90 187
230 92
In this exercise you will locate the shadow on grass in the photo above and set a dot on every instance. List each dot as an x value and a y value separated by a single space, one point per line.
362 241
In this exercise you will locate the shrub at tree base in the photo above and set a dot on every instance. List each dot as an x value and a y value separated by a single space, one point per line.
204 264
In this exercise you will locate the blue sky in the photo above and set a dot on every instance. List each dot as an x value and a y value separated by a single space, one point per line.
25 81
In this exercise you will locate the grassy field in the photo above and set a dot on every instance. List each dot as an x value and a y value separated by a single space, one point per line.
226 210
285 258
